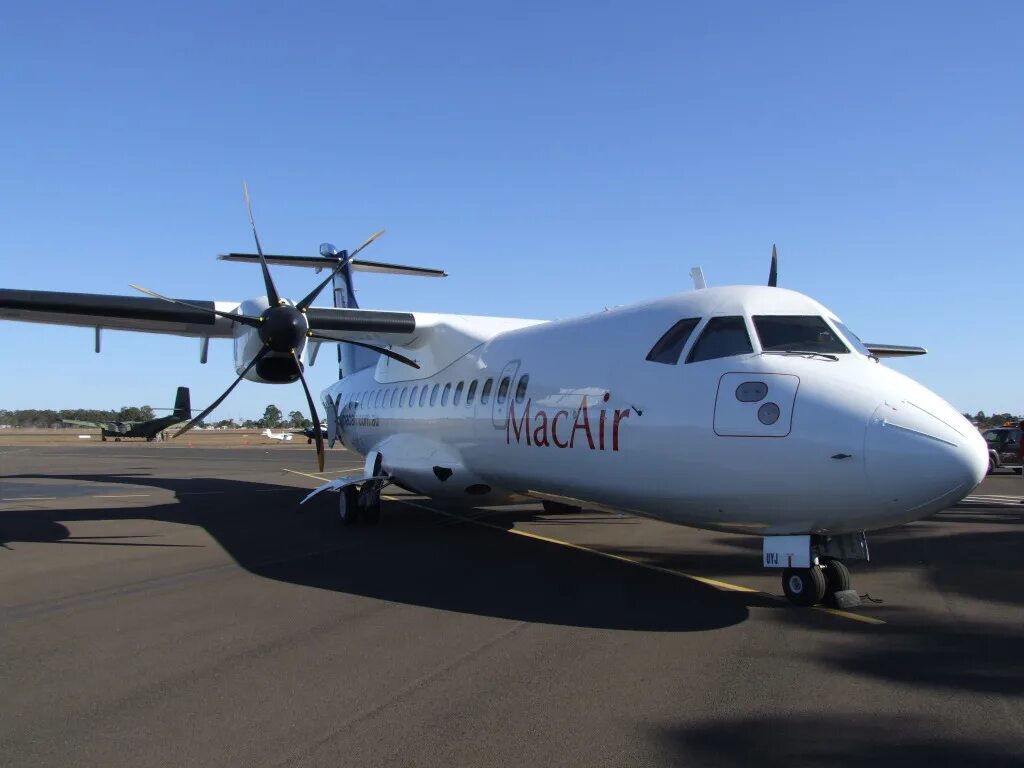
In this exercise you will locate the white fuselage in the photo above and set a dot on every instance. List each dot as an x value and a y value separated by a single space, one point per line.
853 445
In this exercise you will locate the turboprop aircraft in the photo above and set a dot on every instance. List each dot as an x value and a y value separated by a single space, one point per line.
746 409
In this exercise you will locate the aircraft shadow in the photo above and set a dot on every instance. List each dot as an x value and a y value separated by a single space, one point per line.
835 739
413 557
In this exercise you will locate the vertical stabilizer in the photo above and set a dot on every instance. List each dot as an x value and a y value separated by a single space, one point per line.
183 404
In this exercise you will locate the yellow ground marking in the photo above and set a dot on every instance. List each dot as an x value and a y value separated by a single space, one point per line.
722 585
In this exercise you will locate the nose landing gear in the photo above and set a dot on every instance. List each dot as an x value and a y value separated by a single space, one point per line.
813 567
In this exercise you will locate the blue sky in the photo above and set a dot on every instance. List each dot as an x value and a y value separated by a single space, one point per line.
554 158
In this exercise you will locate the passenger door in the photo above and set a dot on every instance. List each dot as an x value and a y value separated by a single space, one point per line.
500 404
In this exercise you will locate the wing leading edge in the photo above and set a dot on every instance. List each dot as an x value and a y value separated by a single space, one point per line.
138 313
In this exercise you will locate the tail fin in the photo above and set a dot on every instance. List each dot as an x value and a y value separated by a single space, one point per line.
183 404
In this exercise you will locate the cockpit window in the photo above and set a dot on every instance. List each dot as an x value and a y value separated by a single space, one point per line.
852 338
797 333
670 346
722 337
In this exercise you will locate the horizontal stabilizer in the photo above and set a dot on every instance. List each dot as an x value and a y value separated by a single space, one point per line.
330 262
895 350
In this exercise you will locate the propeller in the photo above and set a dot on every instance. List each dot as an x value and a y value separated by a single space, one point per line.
282 327
773 273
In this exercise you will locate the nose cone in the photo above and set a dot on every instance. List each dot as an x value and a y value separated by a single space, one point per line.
919 461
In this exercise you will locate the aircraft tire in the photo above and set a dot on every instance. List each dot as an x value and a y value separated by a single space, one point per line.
369 503
837 575
804 586
348 505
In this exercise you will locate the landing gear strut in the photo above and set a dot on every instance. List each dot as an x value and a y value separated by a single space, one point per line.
813 566
360 504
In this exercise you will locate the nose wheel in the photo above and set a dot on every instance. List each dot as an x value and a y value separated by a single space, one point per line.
810 586
804 586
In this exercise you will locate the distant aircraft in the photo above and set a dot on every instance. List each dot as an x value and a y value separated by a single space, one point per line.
285 436
311 433
147 429
741 409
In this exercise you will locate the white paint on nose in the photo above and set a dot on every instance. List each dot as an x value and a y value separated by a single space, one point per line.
919 461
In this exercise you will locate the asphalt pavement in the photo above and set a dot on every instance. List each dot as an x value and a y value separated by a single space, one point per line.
164 605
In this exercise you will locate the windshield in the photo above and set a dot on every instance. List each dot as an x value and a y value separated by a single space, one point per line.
852 338
797 333
997 436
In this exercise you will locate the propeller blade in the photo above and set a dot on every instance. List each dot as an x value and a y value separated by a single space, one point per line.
243 319
374 347
312 412
259 356
773 274
303 305
372 237
272 295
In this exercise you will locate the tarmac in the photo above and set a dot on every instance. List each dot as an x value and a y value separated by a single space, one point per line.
162 604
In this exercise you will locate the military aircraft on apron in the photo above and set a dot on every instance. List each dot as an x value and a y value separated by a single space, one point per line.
747 409
145 429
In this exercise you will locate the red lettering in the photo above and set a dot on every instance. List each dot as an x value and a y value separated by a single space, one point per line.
619 415
584 425
540 433
554 429
520 427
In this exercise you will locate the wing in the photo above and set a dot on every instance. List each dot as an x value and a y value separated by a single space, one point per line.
92 424
141 313
129 313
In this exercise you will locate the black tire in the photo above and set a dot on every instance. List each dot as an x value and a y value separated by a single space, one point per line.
837 575
369 503
804 586
1019 470
991 465
348 505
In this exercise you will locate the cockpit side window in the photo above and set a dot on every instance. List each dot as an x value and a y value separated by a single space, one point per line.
722 337
797 333
670 345
852 338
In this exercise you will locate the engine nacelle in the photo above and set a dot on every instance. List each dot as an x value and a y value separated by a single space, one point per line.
274 368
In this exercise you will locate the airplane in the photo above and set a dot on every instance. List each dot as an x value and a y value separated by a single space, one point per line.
744 409
147 429
282 436
311 432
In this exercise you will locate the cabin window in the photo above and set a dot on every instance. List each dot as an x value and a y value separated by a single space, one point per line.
458 393
670 346
471 393
485 393
521 388
445 393
394 397
412 397
433 394
423 396
722 337
503 389
797 333
401 399
379 399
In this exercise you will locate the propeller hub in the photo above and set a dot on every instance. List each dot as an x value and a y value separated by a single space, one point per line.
283 328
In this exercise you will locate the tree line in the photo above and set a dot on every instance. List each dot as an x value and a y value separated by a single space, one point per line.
992 419
40 418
